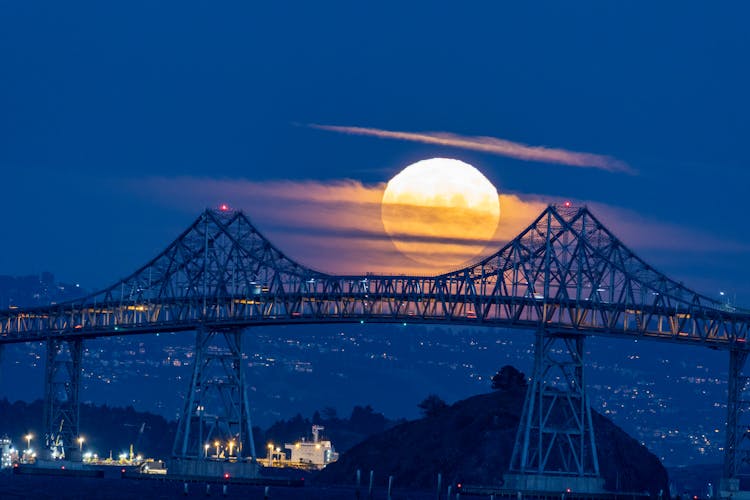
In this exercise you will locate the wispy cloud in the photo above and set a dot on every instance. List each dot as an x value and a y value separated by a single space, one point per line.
493 145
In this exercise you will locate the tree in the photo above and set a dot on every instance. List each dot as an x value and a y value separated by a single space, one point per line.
366 420
508 378
329 413
432 405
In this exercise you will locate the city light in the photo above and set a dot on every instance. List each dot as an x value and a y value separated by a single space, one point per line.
217 443
231 447
80 443
205 450
28 441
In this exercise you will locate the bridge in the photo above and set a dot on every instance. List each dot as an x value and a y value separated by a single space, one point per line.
565 277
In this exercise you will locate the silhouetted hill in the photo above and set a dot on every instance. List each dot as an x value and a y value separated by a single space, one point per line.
104 428
108 428
343 432
471 441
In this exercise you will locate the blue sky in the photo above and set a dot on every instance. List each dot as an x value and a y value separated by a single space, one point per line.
99 99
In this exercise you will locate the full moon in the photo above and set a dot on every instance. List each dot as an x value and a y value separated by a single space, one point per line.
440 211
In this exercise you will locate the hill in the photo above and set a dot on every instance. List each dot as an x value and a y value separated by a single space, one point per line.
105 428
471 441
108 428
343 432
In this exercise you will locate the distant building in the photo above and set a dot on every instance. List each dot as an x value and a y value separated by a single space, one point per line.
316 453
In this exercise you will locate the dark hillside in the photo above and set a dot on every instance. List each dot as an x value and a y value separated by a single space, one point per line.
471 441
343 432
104 428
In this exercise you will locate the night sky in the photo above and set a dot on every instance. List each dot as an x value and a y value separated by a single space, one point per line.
121 122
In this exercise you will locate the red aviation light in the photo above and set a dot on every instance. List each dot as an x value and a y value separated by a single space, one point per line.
567 204
224 207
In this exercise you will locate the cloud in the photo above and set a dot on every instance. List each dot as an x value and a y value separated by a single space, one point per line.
493 145
336 227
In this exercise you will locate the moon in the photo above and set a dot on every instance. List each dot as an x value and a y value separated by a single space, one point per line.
440 212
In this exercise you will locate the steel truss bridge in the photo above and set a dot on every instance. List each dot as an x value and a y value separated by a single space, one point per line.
566 277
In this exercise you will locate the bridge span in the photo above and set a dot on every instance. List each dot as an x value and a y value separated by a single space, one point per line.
566 277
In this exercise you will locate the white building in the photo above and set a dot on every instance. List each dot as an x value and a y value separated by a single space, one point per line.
6 453
316 453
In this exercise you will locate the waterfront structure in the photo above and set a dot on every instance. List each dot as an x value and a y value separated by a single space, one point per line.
8 455
316 453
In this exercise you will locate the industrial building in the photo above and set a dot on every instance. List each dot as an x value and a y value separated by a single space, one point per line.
316 453
8 455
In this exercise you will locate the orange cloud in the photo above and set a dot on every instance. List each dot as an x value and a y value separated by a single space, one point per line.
493 145
336 227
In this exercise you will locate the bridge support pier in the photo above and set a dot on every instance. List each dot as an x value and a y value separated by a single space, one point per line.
215 423
555 446
736 431
62 378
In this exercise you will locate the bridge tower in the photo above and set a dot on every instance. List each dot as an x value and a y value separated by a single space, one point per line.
62 379
214 435
737 448
555 446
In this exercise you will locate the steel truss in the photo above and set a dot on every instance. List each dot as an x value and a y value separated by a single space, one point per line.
62 382
555 434
216 409
566 271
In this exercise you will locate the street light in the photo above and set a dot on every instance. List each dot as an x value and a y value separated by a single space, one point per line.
28 441
270 451
231 447
205 450
217 443
80 443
